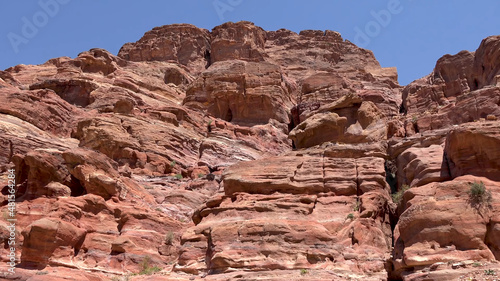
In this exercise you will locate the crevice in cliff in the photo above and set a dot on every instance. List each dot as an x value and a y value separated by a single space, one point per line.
208 58
445 167
11 151
415 127
210 251
491 239
391 171
324 173
79 244
391 179
294 122
391 175
358 189
402 108
476 85
229 115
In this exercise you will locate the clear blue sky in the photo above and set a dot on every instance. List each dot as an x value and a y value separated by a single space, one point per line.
415 36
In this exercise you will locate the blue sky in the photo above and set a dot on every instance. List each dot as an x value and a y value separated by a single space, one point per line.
408 34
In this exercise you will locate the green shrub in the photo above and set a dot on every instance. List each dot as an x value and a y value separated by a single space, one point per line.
490 272
179 176
398 196
200 175
146 268
478 195
173 163
303 271
350 216
356 207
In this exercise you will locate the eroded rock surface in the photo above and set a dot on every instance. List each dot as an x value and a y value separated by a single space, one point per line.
245 154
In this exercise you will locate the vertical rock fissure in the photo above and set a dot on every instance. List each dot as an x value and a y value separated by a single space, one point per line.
323 170
79 244
391 175
358 189
11 151
446 165
489 243
208 58
210 252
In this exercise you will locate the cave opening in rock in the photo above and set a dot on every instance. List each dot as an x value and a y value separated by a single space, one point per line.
76 187
391 175
402 109
229 115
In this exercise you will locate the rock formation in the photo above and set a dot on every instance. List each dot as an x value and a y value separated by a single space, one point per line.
245 154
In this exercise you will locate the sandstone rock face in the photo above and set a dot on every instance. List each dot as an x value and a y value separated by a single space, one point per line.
439 224
347 120
50 113
275 209
245 154
183 43
462 88
241 92
474 150
241 41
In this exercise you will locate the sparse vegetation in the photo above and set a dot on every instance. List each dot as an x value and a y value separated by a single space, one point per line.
123 278
479 196
200 175
414 119
356 206
350 216
490 272
173 163
209 126
42 273
169 238
476 264
146 268
398 196
303 271
179 176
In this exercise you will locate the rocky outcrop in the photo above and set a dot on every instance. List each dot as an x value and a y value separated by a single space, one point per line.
462 88
339 205
240 41
347 120
182 43
50 114
440 223
474 150
241 92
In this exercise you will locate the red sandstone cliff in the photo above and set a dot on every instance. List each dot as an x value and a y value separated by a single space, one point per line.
245 154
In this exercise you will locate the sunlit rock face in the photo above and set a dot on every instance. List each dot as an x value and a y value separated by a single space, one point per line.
245 154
